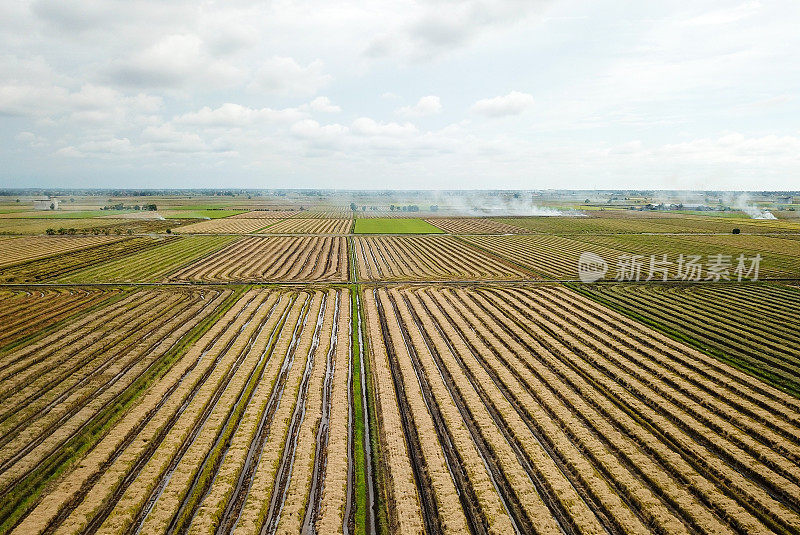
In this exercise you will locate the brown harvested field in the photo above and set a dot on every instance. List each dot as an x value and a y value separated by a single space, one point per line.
541 407
474 225
25 313
272 258
227 225
310 226
235 431
428 258
22 249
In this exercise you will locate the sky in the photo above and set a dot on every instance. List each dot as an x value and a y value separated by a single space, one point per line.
401 94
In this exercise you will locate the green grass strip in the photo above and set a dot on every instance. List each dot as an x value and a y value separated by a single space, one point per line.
359 453
24 495
678 335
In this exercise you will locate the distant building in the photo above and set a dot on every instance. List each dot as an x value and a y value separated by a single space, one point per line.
45 204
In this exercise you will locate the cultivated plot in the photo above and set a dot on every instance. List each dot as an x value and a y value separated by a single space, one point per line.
474 225
23 313
152 264
428 258
395 226
273 258
22 249
228 225
558 256
642 225
754 327
310 226
60 265
238 416
540 411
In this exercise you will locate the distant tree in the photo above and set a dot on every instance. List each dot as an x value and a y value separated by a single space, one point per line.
169 231
72 199
50 231
363 208
52 206
586 201
353 206
434 208
391 207
736 231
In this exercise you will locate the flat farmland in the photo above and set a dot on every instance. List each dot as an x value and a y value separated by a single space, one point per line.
22 249
474 225
754 327
638 224
60 265
228 225
152 264
23 312
538 410
259 259
287 371
557 256
265 214
310 226
395 226
426 258
218 410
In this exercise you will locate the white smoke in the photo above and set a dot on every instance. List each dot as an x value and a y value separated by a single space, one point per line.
475 203
743 203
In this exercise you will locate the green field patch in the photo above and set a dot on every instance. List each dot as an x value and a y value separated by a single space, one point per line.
395 226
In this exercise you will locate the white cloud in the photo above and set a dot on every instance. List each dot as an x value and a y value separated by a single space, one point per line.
322 105
424 107
236 115
364 126
174 61
284 76
512 104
